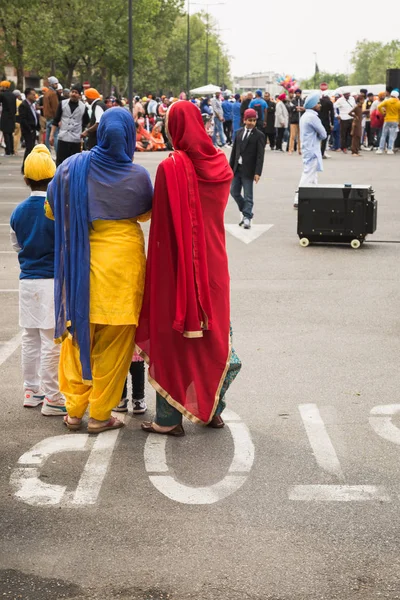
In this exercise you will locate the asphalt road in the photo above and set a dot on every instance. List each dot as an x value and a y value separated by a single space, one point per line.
298 499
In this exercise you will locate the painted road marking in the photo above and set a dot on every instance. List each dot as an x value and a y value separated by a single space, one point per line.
8 348
29 488
247 235
320 441
242 462
381 422
338 493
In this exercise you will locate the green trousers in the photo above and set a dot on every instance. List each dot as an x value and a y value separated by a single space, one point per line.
168 416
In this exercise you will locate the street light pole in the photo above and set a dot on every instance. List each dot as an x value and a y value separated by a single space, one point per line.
130 52
207 23
188 52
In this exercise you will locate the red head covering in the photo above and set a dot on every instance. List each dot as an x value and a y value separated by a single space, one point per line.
186 129
250 113
282 97
184 323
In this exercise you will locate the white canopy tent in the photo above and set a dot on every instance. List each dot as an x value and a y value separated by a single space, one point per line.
355 89
206 89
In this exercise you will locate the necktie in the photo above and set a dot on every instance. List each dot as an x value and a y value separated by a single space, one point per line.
246 135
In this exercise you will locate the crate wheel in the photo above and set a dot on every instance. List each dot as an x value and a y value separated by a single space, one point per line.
355 244
304 242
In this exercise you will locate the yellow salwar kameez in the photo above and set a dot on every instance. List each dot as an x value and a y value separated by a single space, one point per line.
117 275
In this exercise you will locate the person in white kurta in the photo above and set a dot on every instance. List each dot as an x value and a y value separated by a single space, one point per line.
32 236
312 132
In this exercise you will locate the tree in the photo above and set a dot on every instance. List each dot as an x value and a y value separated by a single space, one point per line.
64 39
333 80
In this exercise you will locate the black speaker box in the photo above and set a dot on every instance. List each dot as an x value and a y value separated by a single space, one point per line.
392 79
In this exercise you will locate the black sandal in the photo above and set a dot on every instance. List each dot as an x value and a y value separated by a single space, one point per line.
177 431
216 422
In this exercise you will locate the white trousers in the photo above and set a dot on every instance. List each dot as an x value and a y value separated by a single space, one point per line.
40 358
309 176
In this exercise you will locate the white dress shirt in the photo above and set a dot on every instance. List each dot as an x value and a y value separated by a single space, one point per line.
345 106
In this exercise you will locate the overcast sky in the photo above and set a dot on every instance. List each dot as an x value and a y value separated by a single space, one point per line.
282 35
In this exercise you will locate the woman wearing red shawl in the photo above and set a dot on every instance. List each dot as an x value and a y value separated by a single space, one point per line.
184 328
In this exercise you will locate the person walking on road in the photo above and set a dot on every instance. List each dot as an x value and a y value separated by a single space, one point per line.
390 108
184 330
343 106
245 104
269 130
356 130
32 236
281 120
97 199
71 119
311 133
327 116
29 122
261 108
247 160
236 116
17 130
218 112
8 116
227 107
296 107
49 110
98 107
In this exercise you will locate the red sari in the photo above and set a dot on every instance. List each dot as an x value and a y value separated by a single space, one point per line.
184 326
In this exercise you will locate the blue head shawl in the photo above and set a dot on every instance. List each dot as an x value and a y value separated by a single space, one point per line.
100 184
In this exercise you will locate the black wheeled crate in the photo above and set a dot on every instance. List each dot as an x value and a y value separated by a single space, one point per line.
336 213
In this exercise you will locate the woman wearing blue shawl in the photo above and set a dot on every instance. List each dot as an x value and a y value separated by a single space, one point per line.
96 199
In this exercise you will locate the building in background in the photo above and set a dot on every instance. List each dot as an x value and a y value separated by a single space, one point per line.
31 78
265 81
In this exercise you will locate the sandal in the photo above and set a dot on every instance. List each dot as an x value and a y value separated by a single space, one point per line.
72 426
216 422
112 423
177 431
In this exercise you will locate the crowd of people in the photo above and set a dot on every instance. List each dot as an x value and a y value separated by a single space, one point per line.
72 116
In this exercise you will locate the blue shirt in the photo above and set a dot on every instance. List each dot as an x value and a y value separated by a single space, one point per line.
227 107
311 133
236 115
35 236
259 106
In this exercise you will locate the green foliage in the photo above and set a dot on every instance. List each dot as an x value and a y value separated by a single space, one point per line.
88 40
334 80
371 59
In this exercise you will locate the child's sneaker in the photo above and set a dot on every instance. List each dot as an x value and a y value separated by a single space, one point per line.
32 399
139 407
122 406
53 409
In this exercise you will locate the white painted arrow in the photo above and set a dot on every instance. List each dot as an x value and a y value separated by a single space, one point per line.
247 235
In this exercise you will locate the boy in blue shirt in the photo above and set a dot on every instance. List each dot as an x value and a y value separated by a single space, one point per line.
32 236
227 107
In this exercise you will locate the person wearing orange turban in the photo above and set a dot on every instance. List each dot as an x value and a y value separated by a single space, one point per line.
7 121
98 107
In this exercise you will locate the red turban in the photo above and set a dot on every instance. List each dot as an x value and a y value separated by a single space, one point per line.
282 97
250 113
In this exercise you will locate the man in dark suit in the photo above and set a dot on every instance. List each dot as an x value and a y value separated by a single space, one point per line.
7 121
247 159
29 121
